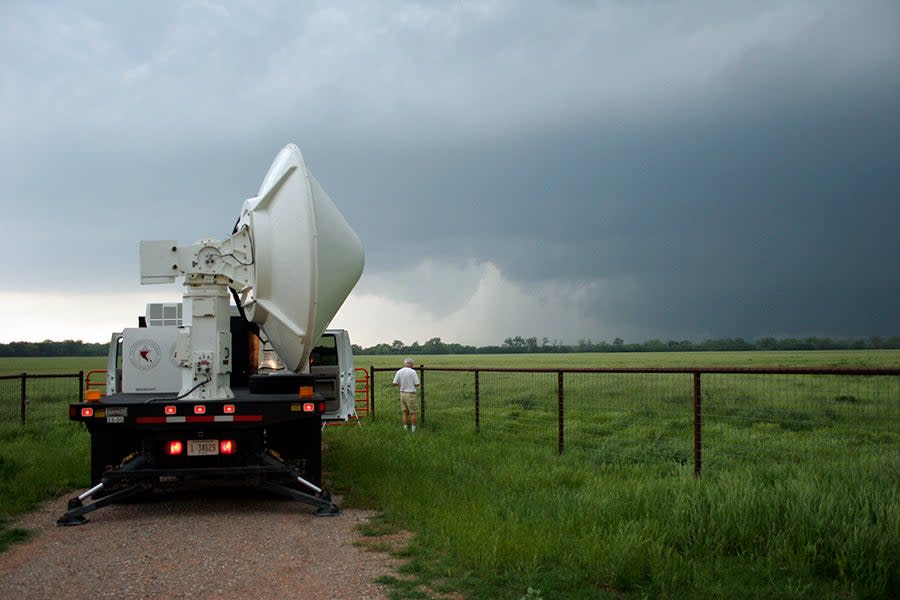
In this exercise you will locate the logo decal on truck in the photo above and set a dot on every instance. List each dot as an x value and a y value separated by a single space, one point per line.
144 354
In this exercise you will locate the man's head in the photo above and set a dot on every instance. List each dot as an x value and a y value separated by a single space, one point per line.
407 362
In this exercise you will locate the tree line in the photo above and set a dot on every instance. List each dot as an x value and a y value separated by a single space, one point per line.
519 345
522 345
50 348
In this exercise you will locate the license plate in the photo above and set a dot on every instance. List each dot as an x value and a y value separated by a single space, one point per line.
202 447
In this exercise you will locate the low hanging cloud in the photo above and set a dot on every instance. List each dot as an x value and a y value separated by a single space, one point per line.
476 304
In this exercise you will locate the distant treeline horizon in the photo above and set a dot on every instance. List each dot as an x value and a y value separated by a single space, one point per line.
519 345
51 348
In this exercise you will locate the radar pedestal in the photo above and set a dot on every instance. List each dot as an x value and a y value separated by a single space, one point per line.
203 346
204 349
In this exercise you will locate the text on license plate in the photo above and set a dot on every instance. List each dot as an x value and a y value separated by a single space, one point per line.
202 447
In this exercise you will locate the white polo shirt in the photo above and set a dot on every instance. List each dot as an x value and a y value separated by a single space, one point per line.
407 378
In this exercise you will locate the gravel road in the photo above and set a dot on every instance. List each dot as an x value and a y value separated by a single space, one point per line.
224 545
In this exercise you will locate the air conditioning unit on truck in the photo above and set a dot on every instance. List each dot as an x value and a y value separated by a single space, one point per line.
189 399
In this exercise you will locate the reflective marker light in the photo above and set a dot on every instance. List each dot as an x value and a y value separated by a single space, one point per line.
309 407
174 448
306 391
199 409
228 409
87 412
227 447
171 409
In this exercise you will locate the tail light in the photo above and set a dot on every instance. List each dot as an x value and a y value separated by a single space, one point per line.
171 409
199 409
87 412
309 407
227 447
174 447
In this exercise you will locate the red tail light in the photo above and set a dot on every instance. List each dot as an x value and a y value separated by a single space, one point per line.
309 407
199 409
171 409
227 447
174 448
87 412
228 409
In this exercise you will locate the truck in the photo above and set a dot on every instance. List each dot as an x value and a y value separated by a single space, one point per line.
232 385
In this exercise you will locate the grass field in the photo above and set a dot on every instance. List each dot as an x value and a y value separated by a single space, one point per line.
800 496
49 454
796 502
60 364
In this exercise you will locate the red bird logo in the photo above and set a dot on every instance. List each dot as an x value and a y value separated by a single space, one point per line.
145 354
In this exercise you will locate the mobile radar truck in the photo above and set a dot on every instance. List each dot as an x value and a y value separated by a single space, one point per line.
192 394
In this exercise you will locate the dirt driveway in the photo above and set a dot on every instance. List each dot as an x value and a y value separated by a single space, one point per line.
221 545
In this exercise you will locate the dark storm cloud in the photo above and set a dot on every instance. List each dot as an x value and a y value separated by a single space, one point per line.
769 207
720 169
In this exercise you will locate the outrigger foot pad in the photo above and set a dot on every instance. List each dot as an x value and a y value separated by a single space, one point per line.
328 511
77 508
68 521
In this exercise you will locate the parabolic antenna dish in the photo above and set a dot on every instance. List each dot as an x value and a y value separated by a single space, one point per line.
307 258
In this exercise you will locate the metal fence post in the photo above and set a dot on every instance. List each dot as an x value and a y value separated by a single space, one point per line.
422 390
372 390
22 399
698 458
560 394
477 404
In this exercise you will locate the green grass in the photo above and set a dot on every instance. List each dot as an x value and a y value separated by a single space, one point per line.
47 456
800 496
498 518
57 364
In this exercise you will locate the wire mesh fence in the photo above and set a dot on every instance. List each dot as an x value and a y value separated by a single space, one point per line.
699 417
836 419
27 396
715 417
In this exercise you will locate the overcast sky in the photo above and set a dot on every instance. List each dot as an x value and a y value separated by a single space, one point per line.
569 169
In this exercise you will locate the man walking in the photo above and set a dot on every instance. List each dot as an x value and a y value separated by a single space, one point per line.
407 380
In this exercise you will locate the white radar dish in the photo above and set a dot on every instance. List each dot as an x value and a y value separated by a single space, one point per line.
307 258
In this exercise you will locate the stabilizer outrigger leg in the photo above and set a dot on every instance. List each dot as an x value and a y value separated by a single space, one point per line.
77 508
321 499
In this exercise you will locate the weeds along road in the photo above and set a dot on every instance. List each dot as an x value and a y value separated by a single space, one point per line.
218 544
